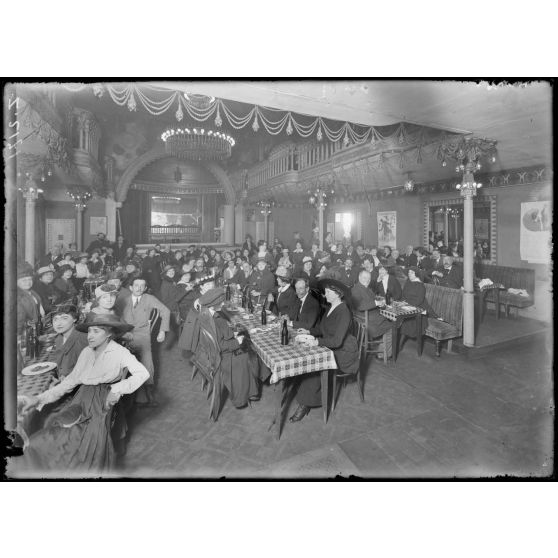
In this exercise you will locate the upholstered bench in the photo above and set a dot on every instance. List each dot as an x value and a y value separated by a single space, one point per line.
510 277
448 305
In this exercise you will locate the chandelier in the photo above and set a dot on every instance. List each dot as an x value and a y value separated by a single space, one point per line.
409 184
80 195
266 206
197 144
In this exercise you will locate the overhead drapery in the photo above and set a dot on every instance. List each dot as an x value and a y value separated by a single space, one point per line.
158 100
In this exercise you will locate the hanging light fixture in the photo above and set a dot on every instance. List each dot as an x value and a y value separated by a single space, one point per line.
80 195
197 144
409 183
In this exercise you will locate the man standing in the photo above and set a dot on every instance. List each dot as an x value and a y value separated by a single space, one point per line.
98 244
308 309
137 311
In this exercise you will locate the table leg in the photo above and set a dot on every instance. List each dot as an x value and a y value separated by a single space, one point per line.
394 340
279 389
325 394
419 334
497 299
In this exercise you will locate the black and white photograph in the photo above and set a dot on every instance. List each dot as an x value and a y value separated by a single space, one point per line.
285 279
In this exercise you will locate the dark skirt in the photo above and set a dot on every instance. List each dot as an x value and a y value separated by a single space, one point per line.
84 448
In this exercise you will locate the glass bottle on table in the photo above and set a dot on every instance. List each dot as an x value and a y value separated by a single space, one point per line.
388 298
264 315
284 333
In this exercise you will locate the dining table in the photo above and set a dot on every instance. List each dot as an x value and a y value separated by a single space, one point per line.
284 361
397 312
32 386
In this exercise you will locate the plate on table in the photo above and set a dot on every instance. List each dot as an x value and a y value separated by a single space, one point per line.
38 368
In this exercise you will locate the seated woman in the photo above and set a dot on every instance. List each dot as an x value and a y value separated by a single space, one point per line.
414 293
68 342
78 438
240 369
64 282
230 273
335 332
95 263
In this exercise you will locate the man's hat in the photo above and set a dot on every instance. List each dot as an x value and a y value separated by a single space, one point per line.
213 297
307 259
104 320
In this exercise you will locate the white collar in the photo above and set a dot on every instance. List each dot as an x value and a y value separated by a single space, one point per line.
303 298
283 288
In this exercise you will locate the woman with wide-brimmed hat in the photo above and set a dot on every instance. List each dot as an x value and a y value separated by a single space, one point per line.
171 293
335 331
77 439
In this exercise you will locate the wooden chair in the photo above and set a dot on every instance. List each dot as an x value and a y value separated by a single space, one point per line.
371 347
360 332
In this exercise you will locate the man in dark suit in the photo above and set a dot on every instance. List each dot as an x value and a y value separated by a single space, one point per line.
408 258
68 342
119 249
363 300
348 273
98 244
434 263
308 310
387 283
452 275
284 301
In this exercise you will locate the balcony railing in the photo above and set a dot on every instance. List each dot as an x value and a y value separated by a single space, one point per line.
173 234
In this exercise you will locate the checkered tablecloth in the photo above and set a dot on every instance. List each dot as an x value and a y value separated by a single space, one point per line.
394 312
35 385
285 361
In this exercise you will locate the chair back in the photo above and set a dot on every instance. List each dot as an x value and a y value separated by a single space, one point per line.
359 328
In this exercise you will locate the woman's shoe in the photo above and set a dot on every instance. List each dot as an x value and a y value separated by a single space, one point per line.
300 413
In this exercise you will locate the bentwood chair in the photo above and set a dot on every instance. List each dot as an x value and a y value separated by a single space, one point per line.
360 333
371 347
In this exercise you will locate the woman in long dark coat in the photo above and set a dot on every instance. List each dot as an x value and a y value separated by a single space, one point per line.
335 331
414 293
64 282
151 270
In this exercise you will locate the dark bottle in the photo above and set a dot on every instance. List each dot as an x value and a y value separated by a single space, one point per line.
228 292
244 298
388 298
284 333
250 305
264 315
37 335
30 341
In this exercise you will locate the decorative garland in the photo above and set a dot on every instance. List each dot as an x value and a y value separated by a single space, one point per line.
158 100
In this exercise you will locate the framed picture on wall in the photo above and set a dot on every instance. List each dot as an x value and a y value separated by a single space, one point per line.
481 229
387 228
97 225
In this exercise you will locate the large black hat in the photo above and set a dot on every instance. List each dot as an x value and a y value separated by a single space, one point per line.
104 320
335 285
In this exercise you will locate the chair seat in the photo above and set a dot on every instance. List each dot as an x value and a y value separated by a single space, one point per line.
516 300
441 330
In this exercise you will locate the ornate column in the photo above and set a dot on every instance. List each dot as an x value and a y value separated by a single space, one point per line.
318 198
228 227
111 207
80 208
265 210
468 190
31 193
239 218
80 195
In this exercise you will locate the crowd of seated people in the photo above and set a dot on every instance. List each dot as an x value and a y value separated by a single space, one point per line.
317 291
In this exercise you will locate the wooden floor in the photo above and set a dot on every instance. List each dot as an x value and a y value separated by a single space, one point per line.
467 414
